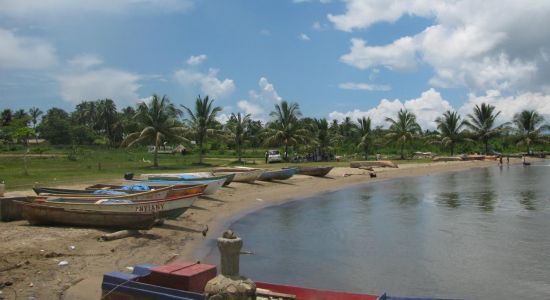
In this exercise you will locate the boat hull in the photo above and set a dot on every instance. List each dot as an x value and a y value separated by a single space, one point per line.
39 214
212 186
180 177
174 191
248 176
314 171
282 174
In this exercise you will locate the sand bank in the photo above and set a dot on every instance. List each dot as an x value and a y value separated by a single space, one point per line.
32 254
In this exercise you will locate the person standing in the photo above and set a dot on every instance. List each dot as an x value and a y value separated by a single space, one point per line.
266 156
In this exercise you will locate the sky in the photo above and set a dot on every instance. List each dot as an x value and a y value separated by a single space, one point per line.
337 59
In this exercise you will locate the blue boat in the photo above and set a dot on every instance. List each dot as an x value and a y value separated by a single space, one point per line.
278 174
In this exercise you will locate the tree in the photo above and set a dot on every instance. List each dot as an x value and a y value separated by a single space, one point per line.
202 121
107 119
7 116
285 128
56 127
238 125
158 119
366 134
450 129
35 113
254 133
323 137
482 123
404 129
529 127
23 134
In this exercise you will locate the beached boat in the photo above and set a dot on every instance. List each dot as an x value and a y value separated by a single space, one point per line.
211 185
40 214
234 169
141 284
170 208
190 177
246 176
281 174
121 193
314 171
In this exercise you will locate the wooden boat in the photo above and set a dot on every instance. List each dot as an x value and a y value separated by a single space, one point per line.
314 171
246 176
173 191
40 214
211 185
281 174
234 169
191 177
170 208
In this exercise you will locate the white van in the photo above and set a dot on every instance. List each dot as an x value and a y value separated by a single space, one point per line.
274 156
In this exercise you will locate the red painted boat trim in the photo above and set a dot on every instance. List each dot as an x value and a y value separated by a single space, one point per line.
310 294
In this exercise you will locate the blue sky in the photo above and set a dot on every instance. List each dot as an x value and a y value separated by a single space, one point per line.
336 58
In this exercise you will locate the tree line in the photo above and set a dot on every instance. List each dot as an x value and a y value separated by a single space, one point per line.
159 121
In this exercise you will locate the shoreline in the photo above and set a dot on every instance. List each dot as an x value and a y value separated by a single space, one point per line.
39 249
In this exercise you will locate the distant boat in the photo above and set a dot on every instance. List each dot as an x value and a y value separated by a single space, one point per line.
243 176
281 174
202 176
40 214
314 171
234 169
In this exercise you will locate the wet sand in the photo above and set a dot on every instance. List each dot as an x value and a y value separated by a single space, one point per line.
30 255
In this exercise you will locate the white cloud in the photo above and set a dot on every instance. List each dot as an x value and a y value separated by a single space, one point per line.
121 86
52 8
18 52
260 103
208 83
481 45
85 61
196 60
400 55
363 86
304 37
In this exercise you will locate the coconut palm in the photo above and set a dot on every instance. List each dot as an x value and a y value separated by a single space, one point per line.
238 125
286 127
159 121
450 129
202 121
529 126
482 123
404 129
366 135
107 118
35 113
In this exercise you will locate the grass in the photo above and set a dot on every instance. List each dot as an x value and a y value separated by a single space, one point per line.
87 165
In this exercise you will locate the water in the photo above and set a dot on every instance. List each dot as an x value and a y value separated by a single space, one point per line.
478 234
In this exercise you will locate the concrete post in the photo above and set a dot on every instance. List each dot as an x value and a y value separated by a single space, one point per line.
230 246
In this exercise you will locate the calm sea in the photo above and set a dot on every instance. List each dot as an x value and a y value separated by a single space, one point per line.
477 234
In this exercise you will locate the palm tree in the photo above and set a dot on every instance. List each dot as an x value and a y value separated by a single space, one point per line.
35 113
367 135
6 116
404 129
286 128
482 123
450 129
202 120
323 137
107 118
238 124
529 126
159 121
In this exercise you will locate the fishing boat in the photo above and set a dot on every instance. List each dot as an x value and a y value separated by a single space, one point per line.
245 176
211 185
191 177
40 214
281 174
143 283
234 169
121 193
169 208
314 171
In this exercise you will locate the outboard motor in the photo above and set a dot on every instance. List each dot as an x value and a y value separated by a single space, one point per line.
128 175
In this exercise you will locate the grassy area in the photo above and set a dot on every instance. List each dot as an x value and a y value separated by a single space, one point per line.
87 165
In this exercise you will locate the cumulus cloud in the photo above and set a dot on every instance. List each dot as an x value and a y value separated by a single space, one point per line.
85 61
208 82
196 60
480 45
121 86
431 105
50 8
21 52
399 55
261 102
363 86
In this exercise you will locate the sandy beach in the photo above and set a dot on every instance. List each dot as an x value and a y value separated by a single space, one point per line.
30 255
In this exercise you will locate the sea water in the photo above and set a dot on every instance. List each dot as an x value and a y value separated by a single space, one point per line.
477 234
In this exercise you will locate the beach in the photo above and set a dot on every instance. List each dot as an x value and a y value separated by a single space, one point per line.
31 255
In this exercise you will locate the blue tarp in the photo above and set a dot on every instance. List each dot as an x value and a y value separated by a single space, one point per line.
136 187
108 192
114 201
